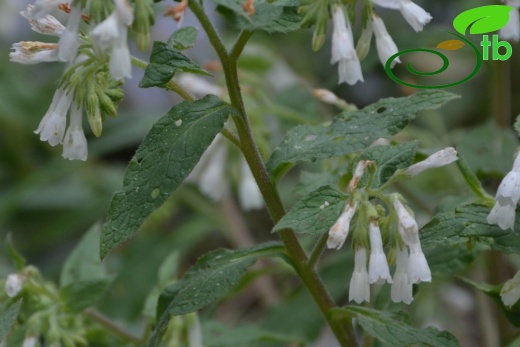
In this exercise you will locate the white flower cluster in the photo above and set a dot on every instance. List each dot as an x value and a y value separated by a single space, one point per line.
411 264
348 57
109 34
508 194
512 30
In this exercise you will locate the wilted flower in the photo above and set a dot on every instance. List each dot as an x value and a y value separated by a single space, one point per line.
42 8
31 52
52 125
508 194
438 159
359 289
47 25
339 231
343 51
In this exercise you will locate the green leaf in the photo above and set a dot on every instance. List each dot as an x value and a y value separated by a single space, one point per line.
79 295
389 159
214 275
310 181
483 19
83 263
449 260
453 228
352 131
316 213
183 38
392 332
165 61
167 155
269 16
8 318
16 257
517 125
219 335
489 149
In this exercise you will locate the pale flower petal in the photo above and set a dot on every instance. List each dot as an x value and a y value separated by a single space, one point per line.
378 270
402 288
47 25
510 292
339 231
438 159
415 15
69 41
418 269
30 52
75 143
52 126
359 289
385 45
13 285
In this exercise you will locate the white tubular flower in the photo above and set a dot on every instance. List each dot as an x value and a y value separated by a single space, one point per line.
508 194
385 45
359 289
363 45
29 341
512 29
510 292
31 52
75 142
407 226
438 159
378 271
418 269
339 231
402 288
112 33
199 86
52 126
414 14
249 194
41 8
391 4
13 285
69 40
47 25
343 49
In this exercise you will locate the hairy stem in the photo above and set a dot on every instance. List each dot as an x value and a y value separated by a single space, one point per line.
269 192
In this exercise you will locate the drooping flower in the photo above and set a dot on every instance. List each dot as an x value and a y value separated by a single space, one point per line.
249 194
407 226
359 289
402 288
69 40
339 231
75 143
438 159
52 126
386 47
343 51
13 285
510 292
358 173
415 15
508 194
47 25
112 33
418 269
378 271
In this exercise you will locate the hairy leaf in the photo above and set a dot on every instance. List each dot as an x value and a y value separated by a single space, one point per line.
183 38
165 61
392 332
8 318
316 213
483 19
79 295
467 221
214 275
167 155
389 159
352 131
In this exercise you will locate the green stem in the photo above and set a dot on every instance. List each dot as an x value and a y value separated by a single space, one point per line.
171 85
231 136
111 326
269 192
317 251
